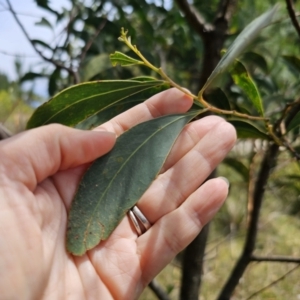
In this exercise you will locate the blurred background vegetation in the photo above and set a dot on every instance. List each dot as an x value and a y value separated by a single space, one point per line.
185 38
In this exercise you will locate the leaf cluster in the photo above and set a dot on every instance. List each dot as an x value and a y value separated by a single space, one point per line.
89 104
253 83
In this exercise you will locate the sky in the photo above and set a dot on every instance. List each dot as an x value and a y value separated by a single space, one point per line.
13 41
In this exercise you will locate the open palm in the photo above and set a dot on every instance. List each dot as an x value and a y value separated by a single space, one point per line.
39 172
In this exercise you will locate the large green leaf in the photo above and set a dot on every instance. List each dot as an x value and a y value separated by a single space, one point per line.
240 44
242 78
253 58
75 104
218 98
111 111
108 113
115 109
95 65
247 130
116 181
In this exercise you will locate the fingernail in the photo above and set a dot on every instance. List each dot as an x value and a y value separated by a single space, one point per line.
189 93
104 132
225 179
99 129
187 90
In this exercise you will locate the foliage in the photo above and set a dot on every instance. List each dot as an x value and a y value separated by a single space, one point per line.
81 102
73 105
15 112
125 173
259 95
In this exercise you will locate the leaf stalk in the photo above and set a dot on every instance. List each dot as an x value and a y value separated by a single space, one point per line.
198 99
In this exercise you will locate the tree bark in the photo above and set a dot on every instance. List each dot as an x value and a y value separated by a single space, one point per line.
213 37
241 265
192 266
158 290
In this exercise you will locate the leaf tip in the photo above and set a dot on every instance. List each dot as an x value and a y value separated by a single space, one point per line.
123 59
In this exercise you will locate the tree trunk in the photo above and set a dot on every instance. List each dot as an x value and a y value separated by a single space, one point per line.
192 264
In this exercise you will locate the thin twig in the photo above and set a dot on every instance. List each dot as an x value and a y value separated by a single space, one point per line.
292 14
267 165
206 105
273 283
158 290
194 18
285 112
17 55
279 258
92 39
67 27
289 147
225 10
21 13
221 241
63 30
51 60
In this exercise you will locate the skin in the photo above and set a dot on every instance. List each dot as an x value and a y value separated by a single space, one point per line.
39 172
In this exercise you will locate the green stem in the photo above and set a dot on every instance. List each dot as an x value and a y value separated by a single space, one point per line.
198 98
174 84
127 42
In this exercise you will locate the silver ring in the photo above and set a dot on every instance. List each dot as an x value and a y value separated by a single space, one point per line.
138 219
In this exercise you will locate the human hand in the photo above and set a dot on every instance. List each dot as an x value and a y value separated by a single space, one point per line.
40 170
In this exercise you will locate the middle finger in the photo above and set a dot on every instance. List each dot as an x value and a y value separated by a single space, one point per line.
183 177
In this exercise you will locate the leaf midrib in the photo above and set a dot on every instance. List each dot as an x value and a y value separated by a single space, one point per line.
120 169
101 94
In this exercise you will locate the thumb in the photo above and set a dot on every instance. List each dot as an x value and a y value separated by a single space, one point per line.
34 155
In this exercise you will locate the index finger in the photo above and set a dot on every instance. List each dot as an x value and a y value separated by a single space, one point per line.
171 101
